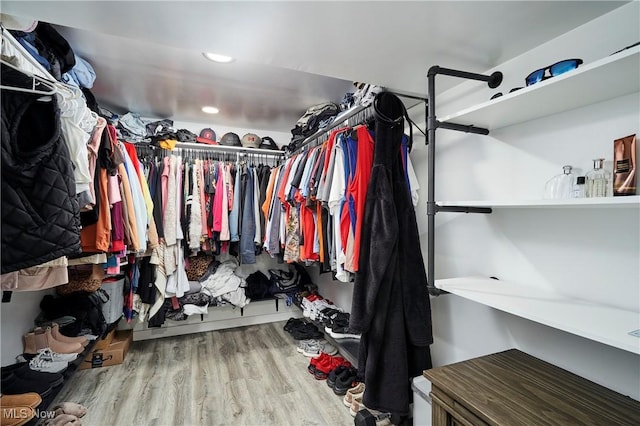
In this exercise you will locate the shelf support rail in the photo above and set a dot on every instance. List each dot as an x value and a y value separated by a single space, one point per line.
433 124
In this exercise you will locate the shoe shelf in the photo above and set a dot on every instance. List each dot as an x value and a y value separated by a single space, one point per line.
603 202
608 78
605 324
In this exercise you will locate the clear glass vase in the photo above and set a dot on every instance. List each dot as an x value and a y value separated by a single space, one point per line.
560 186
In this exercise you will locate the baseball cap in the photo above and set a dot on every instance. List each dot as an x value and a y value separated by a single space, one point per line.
251 140
207 136
268 143
230 139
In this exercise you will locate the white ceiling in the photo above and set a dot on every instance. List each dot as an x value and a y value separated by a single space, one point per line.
289 55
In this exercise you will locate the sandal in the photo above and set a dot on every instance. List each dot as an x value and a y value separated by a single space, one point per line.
71 408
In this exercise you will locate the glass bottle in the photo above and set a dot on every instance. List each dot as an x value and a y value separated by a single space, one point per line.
597 180
579 190
560 186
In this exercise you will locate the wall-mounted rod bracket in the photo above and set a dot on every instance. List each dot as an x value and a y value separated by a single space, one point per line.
462 128
492 80
463 209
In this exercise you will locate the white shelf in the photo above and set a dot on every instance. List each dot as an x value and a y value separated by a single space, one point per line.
601 323
607 78
608 202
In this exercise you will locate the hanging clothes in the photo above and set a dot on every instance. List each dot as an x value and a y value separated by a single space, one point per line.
40 212
390 304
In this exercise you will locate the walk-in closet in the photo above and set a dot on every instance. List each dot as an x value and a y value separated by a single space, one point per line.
321 213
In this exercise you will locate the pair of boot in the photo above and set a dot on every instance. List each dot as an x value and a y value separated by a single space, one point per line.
50 337
19 409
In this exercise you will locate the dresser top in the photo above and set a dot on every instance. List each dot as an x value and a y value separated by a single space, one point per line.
515 388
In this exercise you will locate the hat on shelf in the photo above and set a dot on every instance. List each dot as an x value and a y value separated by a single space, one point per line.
18 23
251 140
230 139
268 143
207 136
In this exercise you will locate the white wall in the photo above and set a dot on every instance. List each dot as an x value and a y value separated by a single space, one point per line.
586 254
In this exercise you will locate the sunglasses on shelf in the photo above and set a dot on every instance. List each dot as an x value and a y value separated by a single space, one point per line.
553 71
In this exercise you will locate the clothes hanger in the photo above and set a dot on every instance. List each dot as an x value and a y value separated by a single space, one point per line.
35 81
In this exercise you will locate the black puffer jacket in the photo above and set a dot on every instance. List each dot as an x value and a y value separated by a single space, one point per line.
40 214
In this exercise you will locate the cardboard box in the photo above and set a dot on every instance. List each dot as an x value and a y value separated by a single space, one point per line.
106 341
113 354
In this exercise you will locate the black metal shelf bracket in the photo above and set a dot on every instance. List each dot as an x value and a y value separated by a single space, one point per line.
433 124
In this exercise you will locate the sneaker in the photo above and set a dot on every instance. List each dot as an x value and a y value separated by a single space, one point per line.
45 363
320 346
356 405
317 306
303 344
306 331
336 319
325 368
307 304
325 314
343 332
345 381
55 356
355 392
331 378
292 323
314 361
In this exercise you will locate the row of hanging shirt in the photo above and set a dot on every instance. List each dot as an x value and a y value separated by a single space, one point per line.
199 205
316 200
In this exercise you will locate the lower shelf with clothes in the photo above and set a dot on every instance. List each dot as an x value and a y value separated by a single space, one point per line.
219 318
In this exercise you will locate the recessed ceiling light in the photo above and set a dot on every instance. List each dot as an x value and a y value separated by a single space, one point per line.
210 110
218 58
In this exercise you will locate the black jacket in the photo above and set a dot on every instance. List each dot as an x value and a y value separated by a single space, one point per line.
390 305
40 213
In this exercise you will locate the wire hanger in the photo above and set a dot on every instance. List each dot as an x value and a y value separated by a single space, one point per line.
35 81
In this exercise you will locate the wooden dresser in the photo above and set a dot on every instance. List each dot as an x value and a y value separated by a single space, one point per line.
513 388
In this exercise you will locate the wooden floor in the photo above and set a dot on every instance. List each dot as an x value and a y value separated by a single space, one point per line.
244 376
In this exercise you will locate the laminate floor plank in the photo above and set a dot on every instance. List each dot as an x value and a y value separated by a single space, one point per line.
244 376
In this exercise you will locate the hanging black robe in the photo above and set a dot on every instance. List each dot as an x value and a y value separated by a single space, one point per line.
390 305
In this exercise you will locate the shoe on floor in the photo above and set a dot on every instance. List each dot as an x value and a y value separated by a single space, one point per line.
355 392
303 344
29 399
314 350
345 381
331 378
70 408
